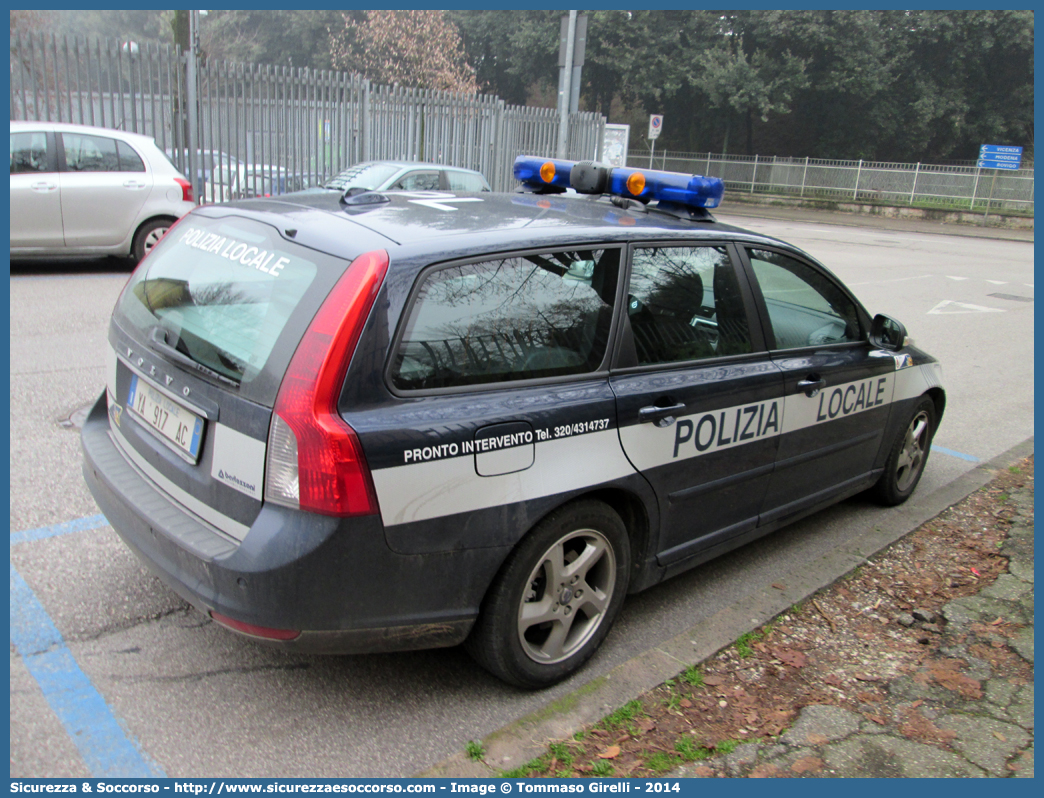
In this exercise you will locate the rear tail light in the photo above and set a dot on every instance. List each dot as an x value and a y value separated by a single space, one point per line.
314 460
186 189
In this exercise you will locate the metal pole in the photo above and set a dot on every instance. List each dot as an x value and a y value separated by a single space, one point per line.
190 100
754 177
859 171
990 200
914 189
804 174
651 152
563 122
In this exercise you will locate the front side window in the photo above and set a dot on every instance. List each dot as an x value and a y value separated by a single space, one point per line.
805 307
514 318
418 181
684 303
28 152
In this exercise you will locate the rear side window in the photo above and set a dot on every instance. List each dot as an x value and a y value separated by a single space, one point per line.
463 181
684 303
515 318
130 161
219 292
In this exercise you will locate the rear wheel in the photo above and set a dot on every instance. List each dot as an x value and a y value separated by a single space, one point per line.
148 236
908 456
555 598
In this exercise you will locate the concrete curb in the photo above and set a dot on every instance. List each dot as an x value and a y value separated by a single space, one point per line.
528 737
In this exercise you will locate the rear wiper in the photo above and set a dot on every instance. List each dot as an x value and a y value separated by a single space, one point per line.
158 341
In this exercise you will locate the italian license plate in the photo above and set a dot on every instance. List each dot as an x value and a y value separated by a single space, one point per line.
175 424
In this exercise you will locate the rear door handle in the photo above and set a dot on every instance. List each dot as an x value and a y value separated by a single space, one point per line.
661 416
43 186
812 385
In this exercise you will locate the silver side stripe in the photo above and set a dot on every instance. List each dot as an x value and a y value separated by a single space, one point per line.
420 491
437 488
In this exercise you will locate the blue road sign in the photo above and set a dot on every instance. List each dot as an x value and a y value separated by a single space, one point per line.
984 163
987 164
999 149
999 156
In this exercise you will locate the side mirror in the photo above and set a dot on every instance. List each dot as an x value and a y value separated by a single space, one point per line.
887 333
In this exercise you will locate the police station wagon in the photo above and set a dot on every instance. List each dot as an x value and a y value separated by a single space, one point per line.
399 420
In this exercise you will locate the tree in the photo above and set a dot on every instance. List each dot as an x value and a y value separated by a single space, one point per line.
416 49
281 38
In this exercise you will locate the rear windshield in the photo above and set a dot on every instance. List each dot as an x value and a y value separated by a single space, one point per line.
218 292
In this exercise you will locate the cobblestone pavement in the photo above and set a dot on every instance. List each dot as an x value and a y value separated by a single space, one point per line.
961 718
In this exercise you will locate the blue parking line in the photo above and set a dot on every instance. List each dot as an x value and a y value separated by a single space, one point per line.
79 525
105 748
952 453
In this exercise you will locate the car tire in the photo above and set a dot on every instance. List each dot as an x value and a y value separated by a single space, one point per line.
148 236
555 598
908 456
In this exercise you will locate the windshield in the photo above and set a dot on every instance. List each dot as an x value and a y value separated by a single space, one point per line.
218 292
369 176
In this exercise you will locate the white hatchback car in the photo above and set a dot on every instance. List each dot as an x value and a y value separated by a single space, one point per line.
78 190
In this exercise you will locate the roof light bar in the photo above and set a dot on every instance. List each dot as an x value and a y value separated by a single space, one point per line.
646 185
542 172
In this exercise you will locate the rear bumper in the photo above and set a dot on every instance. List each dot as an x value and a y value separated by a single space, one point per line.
334 580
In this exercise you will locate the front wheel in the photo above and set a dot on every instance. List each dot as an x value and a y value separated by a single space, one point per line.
555 598
908 456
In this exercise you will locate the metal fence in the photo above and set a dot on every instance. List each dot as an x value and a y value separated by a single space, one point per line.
261 128
920 185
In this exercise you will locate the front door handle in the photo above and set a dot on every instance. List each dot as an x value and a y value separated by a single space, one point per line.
661 416
812 385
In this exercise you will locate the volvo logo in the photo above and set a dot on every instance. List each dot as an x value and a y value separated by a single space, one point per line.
168 380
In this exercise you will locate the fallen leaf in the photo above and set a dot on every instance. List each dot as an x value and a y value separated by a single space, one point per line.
646 724
713 681
611 752
794 659
865 677
686 703
779 586
1000 737
996 622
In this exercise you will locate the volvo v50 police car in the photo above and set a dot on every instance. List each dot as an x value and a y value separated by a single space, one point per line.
402 420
